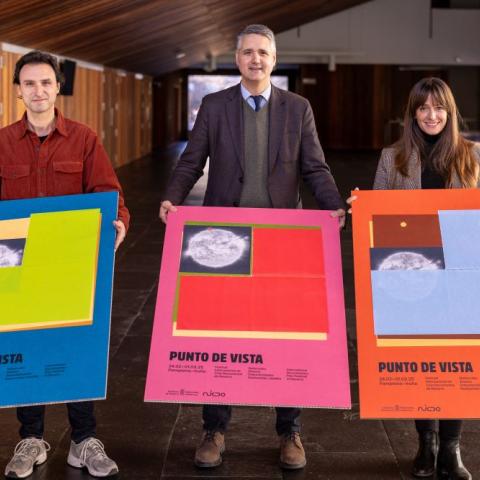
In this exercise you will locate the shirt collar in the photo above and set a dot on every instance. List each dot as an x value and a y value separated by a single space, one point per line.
265 94
59 125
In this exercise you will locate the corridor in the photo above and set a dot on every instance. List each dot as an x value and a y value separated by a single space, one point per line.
157 441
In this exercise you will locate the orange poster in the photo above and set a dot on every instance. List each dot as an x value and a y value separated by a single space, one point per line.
417 284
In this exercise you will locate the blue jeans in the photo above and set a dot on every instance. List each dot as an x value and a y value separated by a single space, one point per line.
80 415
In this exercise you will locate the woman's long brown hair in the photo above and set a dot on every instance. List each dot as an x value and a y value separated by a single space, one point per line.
452 153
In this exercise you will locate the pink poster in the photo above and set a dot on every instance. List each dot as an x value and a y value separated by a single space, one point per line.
250 310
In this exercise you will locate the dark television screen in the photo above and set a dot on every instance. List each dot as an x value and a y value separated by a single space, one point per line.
68 69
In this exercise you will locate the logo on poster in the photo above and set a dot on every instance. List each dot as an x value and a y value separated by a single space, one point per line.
213 394
429 408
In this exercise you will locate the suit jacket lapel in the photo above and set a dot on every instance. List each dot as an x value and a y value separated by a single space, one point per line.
276 123
234 113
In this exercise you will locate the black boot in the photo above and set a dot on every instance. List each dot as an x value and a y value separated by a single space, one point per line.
449 464
424 463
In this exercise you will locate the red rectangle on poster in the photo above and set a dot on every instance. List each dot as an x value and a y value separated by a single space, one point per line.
275 304
288 251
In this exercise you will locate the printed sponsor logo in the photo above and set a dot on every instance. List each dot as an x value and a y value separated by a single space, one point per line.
429 408
211 393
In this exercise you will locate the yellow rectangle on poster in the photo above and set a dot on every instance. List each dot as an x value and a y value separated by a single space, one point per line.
250 334
55 285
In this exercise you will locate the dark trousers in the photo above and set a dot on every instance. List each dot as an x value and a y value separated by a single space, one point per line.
447 429
216 418
80 416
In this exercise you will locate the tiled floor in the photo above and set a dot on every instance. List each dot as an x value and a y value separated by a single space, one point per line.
157 441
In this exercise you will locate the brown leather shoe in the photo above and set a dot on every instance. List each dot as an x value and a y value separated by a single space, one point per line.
209 452
292 454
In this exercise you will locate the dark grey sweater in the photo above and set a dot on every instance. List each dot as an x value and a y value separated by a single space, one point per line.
255 191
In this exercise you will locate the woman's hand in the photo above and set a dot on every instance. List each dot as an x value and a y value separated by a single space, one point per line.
351 199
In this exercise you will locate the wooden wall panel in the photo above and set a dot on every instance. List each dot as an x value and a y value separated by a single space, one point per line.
117 106
108 110
85 105
147 116
360 106
137 116
382 98
348 104
124 95
143 116
168 100
12 107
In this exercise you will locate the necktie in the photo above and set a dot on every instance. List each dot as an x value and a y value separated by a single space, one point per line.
257 99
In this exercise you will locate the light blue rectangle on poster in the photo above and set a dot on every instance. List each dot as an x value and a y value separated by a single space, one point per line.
410 302
460 230
69 363
426 302
464 301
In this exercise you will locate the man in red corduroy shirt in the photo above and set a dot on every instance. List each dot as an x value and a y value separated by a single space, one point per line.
45 154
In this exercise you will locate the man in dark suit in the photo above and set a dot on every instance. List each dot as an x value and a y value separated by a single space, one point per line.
261 141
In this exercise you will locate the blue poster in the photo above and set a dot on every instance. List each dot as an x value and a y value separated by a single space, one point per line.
56 274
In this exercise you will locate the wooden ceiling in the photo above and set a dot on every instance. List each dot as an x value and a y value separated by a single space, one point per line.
147 35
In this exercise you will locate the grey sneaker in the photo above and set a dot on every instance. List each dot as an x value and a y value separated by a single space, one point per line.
28 453
91 454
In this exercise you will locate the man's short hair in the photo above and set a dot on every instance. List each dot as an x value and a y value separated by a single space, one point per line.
257 29
36 57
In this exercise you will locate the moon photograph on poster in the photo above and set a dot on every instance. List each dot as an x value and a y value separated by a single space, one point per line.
418 258
408 274
11 252
216 249
409 261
